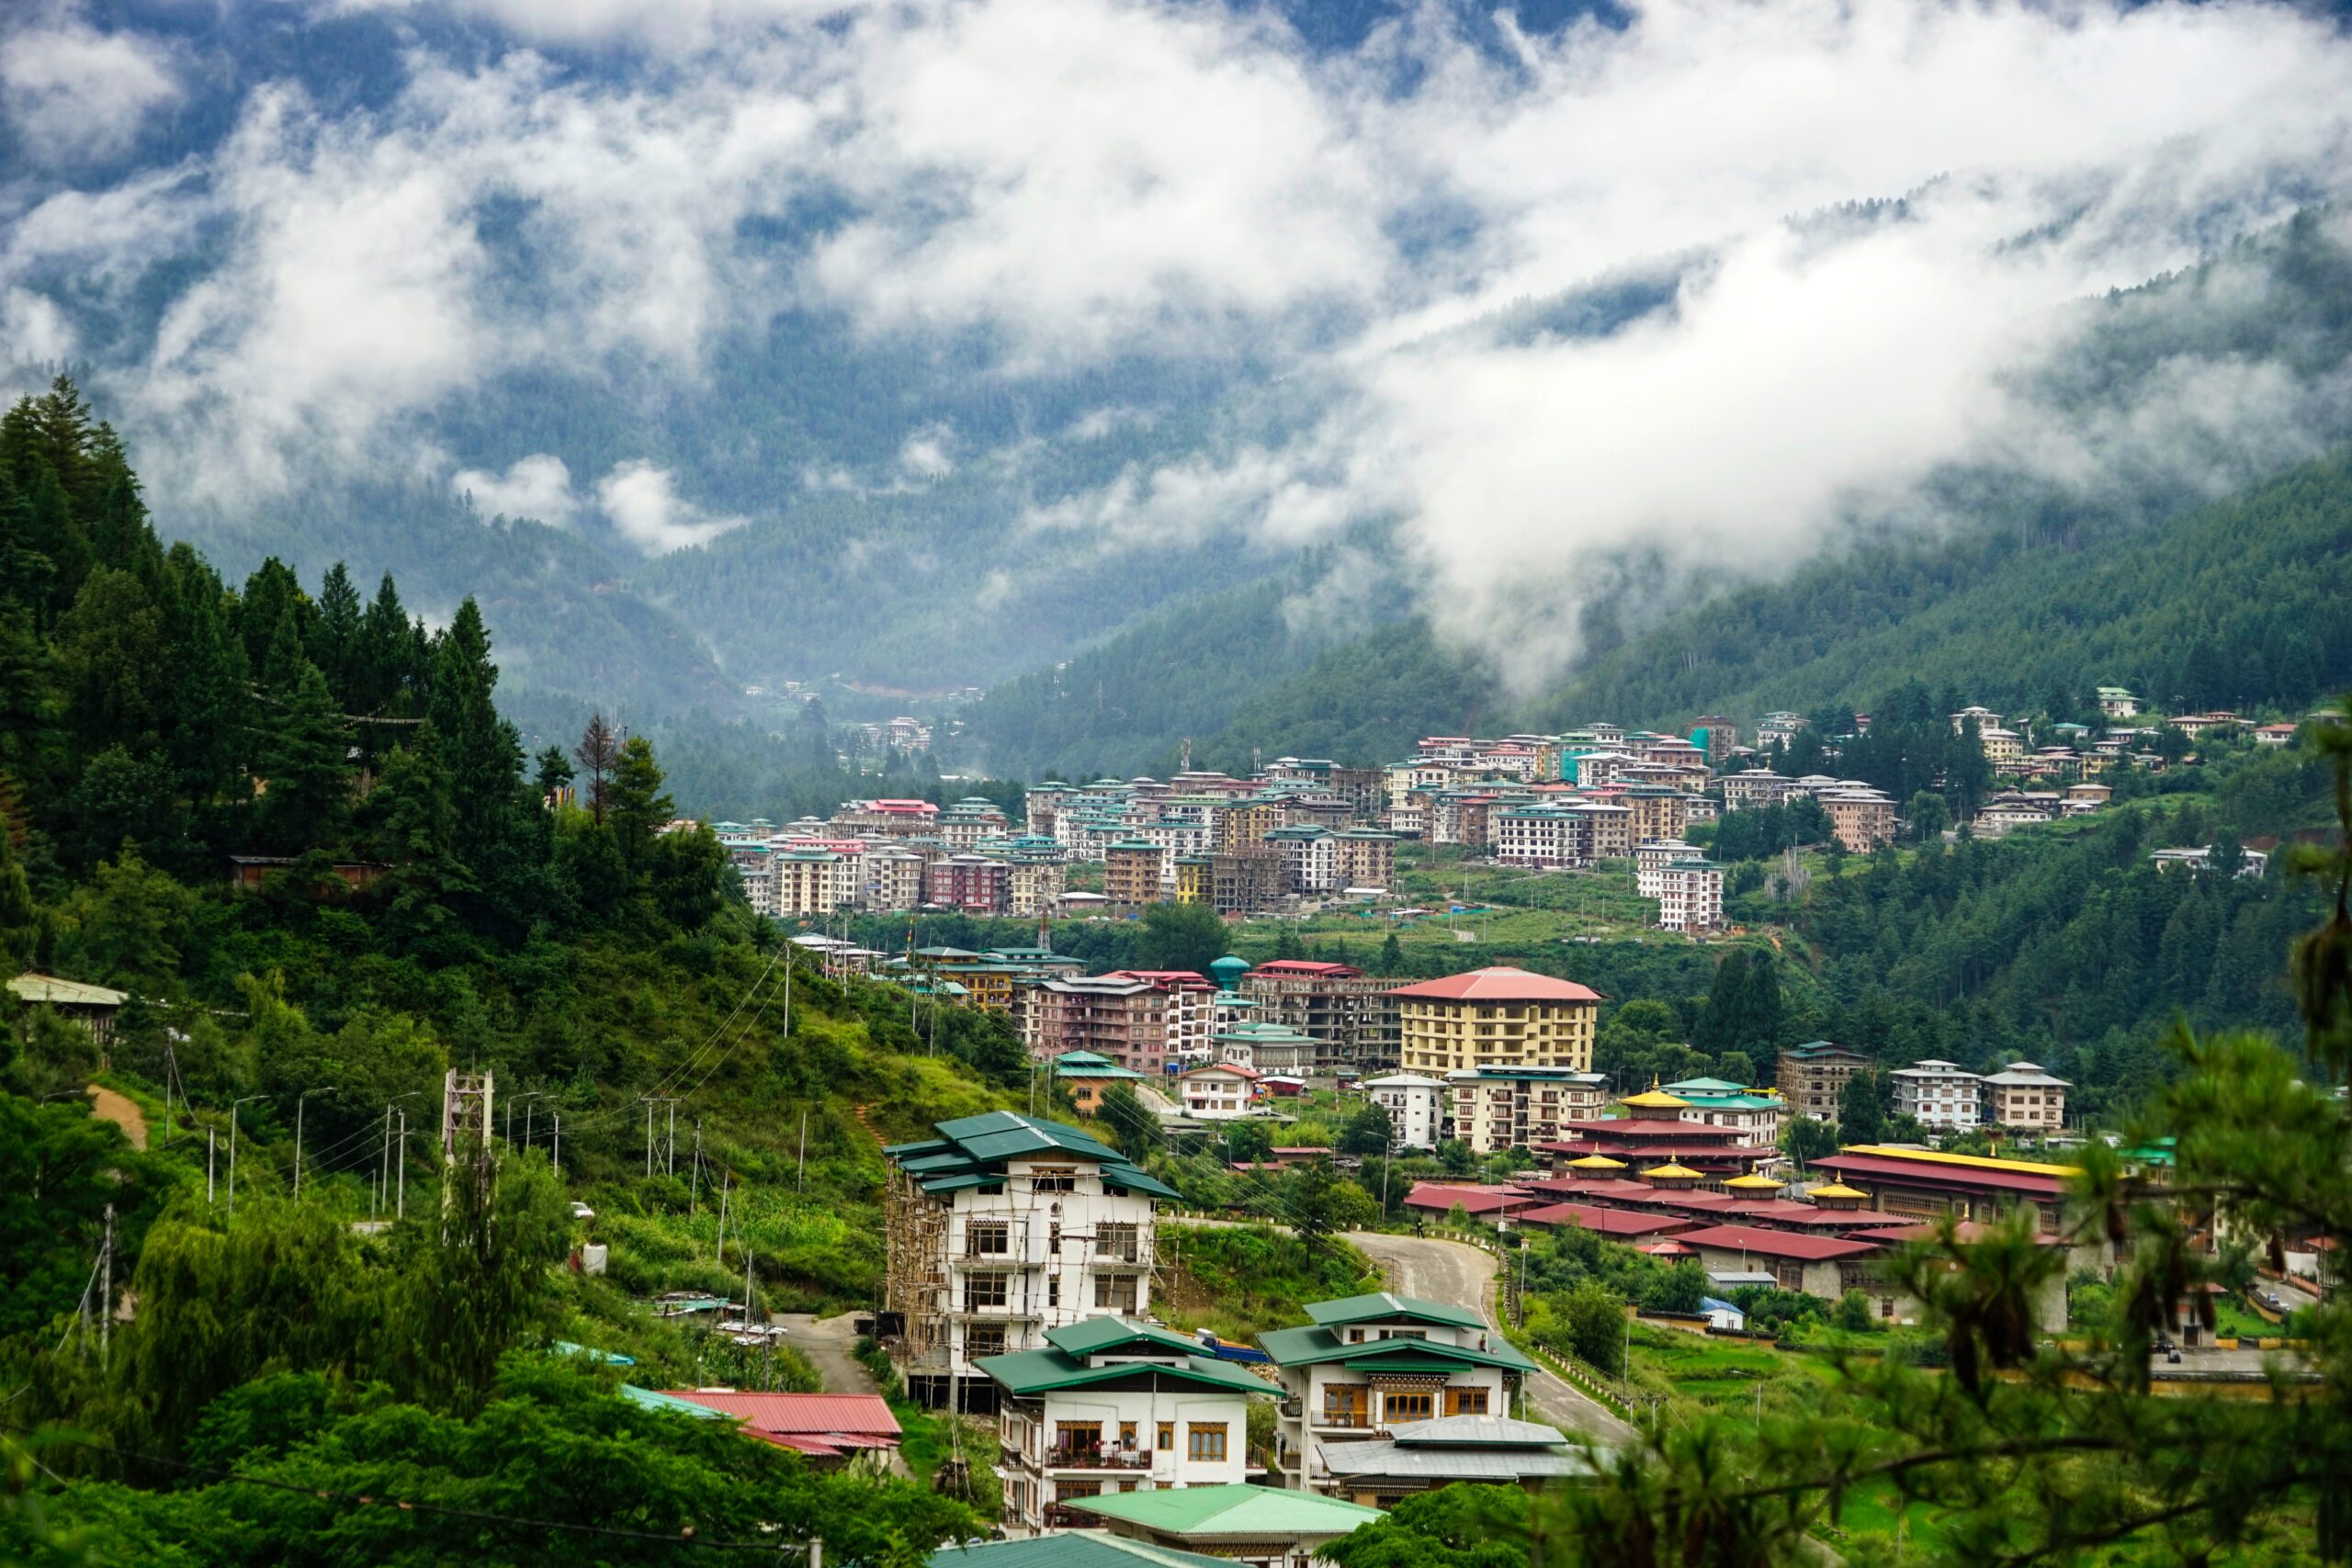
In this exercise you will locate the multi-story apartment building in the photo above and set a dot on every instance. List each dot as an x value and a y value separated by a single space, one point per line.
999 1229
1659 813
1043 804
1943 1095
1310 857
891 877
2005 748
1369 1364
2023 1098
1813 1076
1241 824
1218 1091
1141 1022
1112 1405
1755 789
807 881
885 819
1034 887
1650 862
1131 876
1779 728
1416 1106
1248 882
1352 1014
1367 858
1690 895
965 824
1194 881
1494 1109
1984 718
1862 818
971 884
1499 1017
1609 827
1542 835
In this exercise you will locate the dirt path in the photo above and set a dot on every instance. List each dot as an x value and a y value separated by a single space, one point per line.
120 1110
830 1345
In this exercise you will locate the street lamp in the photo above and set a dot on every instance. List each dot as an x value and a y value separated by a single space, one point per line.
232 1148
298 1136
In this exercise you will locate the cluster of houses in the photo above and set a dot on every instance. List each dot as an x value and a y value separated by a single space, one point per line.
1024 1260
1302 832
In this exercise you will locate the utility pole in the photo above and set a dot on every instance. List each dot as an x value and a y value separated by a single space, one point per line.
670 1148
649 1136
211 1143
800 1178
297 1136
693 1191
726 1181
400 1212
106 1292
232 1150
558 1161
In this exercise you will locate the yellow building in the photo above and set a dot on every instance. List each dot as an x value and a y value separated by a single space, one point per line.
1495 1018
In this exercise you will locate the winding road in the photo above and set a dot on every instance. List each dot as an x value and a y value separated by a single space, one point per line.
1459 1275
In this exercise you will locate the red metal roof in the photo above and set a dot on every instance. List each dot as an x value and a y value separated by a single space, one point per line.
1501 984
1967 1231
1943 1177
826 1425
1442 1196
1776 1244
1812 1216
1603 1222
1305 967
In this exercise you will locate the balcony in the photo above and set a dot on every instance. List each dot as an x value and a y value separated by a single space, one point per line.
1343 1420
1096 1456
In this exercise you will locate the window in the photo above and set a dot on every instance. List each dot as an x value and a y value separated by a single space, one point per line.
1116 1295
1465 1402
1204 1444
982 1290
1054 1181
1407 1406
988 1239
1054 1239
1127 1436
1053 1290
1167 1437
1122 1241
984 1339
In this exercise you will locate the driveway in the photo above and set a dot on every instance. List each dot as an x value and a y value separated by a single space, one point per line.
1459 1275
830 1345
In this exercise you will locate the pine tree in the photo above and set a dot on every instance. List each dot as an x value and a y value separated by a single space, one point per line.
335 635
272 594
304 756
598 753
638 807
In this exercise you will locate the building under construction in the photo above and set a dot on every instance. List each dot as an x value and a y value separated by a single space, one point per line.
1003 1227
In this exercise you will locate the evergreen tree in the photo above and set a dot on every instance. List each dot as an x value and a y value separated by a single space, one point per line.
1392 956
335 635
304 757
272 595
638 807
117 662
482 752
598 753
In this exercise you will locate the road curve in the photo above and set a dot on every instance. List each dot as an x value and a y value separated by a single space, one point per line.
1458 1275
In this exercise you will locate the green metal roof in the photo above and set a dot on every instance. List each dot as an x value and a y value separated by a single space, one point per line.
1072 1549
1134 1181
1383 1305
1098 1335
1310 1346
1400 1364
971 1179
651 1400
1254 1511
1026 1372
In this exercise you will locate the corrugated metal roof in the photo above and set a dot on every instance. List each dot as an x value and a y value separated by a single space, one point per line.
1384 1304
1240 1510
1486 1431
31 987
832 1421
1500 984
1072 1549
1502 1465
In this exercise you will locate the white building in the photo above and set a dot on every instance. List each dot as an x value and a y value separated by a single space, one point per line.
2202 859
1497 1108
1416 1107
1369 1364
1218 1091
1691 897
1942 1095
1003 1227
1651 860
1112 1405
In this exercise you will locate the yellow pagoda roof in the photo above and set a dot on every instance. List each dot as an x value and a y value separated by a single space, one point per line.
1657 1100
1838 1190
1596 1162
1672 1171
1754 1183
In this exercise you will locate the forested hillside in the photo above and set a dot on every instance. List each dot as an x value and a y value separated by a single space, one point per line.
411 902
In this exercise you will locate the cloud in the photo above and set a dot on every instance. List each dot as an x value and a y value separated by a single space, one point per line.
644 506
537 487
924 454
75 95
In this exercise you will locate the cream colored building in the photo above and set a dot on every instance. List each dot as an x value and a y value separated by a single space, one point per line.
1499 1017
2023 1097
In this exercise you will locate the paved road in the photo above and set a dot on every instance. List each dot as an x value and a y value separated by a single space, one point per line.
1459 1275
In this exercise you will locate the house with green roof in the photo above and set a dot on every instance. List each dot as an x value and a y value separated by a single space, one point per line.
1111 1403
1001 1228
1366 1365
1265 1525
1087 1074
1070 1549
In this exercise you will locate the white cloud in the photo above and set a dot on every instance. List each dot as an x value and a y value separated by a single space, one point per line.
926 454
645 507
73 94
537 487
